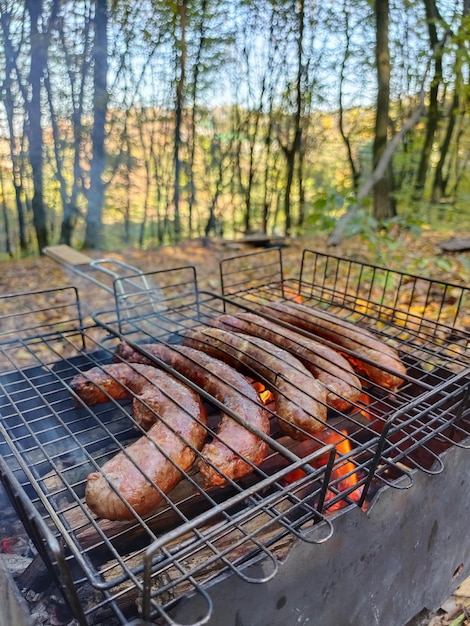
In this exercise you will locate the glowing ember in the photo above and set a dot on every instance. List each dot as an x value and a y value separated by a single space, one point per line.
264 394
14 545
364 402
344 474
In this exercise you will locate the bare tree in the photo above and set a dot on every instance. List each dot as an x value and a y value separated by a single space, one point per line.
379 172
33 104
433 112
6 220
457 108
194 88
10 83
384 204
181 12
291 147
355 169
100 106
76 72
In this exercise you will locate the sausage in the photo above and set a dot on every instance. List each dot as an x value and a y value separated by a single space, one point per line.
380 362
235 449
327 365
137 476
300 399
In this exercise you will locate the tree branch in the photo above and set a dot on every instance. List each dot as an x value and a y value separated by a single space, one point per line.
337 234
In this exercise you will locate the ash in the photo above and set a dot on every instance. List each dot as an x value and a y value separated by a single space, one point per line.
17 555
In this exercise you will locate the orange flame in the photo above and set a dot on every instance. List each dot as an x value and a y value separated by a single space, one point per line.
345 469
264 394
363 406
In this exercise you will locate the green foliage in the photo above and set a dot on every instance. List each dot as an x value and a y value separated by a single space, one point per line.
464 260
383 239
323 212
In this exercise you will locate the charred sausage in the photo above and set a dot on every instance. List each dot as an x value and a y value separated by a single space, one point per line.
233 452
380 362
326 364
300 399
133 481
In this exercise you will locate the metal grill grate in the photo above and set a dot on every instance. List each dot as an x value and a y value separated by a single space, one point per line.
50 444
50 440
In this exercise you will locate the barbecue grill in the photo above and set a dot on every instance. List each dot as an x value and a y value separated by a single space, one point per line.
367 526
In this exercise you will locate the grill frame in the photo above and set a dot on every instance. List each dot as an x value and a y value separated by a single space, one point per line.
380 567
182 293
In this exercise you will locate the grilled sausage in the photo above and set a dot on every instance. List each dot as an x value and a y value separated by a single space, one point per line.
300 399
235 449
380 362
326 364
133 480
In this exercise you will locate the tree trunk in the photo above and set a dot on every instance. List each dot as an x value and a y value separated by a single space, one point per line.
93 231
384 206
292 151
194 93
35 136
355 169
71 211
6 221
179 105
15 147
433 117
440 181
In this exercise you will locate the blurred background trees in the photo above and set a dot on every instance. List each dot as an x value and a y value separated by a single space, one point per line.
140 124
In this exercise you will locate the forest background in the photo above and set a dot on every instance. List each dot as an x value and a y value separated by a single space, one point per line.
144 124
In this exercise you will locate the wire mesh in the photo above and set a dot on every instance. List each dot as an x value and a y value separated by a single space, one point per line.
50 440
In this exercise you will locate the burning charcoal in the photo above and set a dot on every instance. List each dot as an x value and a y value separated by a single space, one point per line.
15 545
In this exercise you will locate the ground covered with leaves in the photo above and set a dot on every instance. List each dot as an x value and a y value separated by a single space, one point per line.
420 255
